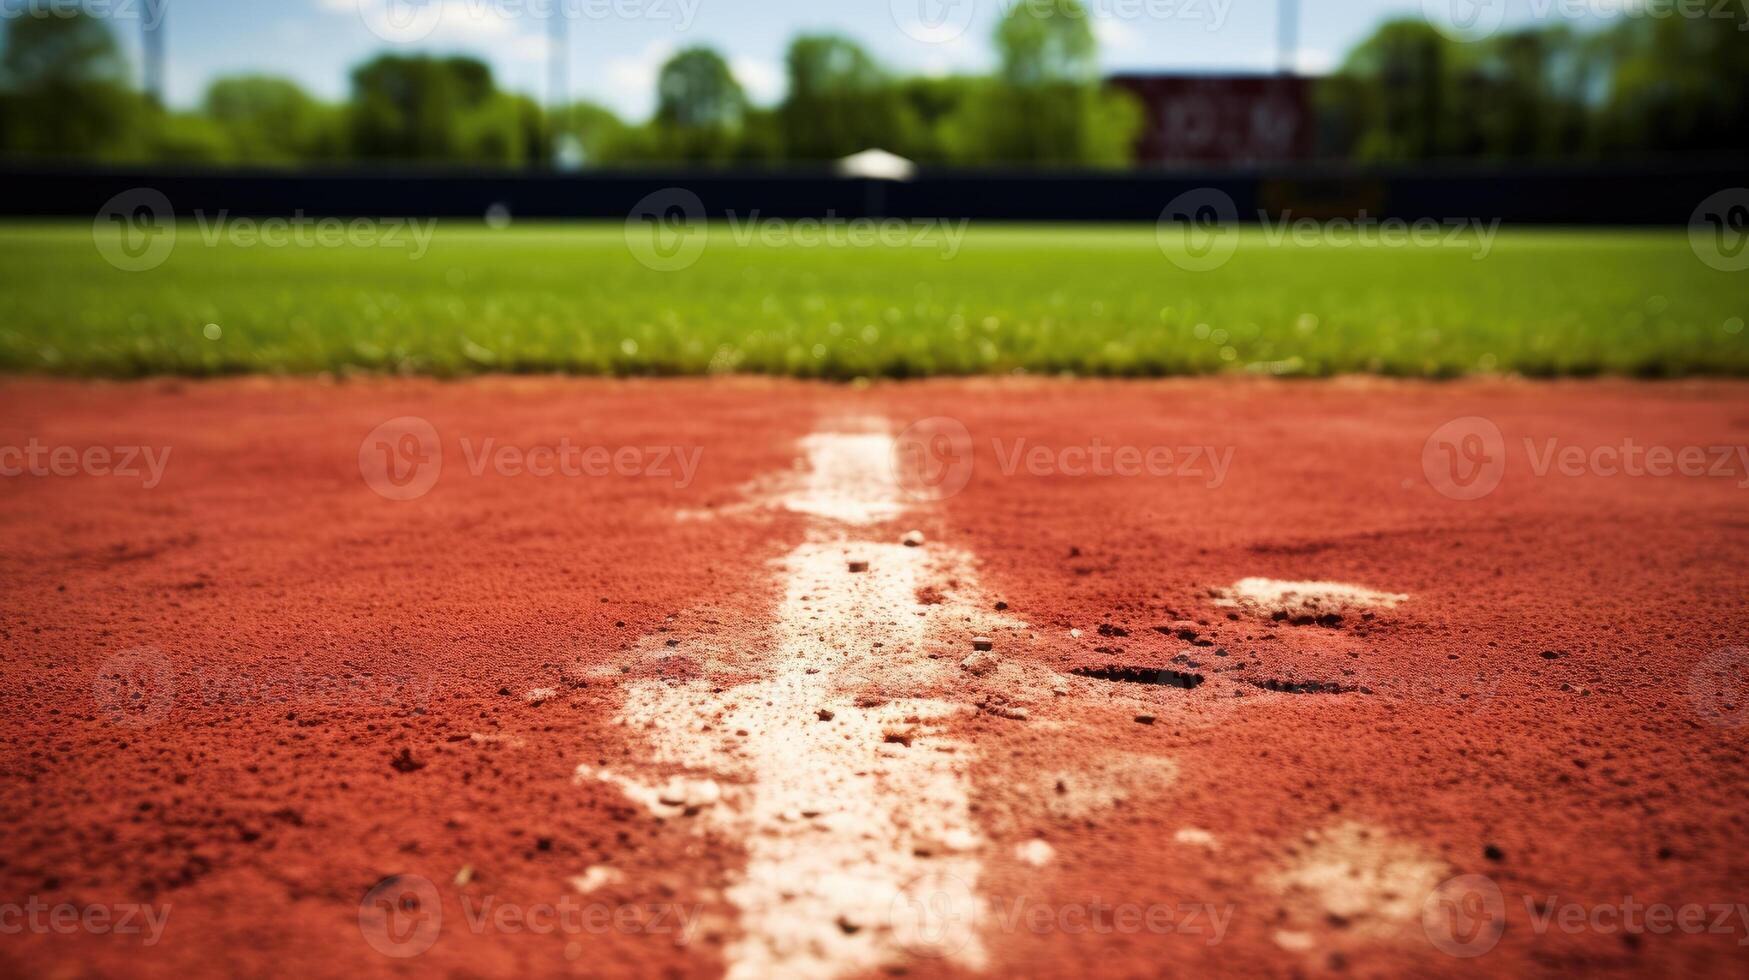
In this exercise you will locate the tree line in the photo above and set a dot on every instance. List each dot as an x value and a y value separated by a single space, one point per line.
1638 87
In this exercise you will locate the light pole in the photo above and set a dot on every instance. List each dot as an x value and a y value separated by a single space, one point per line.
558 79
152 47
1287 33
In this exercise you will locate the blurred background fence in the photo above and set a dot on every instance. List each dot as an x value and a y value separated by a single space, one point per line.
1518 194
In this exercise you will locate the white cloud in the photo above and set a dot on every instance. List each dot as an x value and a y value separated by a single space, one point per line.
639 71
1316 61
763 80
631 79
1115 35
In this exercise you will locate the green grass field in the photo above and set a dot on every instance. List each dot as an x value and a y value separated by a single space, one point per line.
1095 301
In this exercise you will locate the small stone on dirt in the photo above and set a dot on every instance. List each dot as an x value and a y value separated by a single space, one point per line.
980 664
1144 719
983 643
824 714
912 539
693 794
1037 853
858 567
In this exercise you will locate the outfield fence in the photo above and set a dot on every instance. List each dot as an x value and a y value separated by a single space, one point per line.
1615 195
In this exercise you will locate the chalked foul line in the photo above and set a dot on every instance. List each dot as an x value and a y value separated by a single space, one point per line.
849 797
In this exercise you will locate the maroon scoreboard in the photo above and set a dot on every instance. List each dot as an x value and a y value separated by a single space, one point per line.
1222 119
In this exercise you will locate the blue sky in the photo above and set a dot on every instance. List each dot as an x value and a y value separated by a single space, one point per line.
616 46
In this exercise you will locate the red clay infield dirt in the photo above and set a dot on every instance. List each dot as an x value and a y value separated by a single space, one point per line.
652 678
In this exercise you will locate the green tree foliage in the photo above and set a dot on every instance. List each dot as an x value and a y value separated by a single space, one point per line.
1637 86
1047 43
599 136
1681 85
189 137
65 88
421 108
1048 106
272 120
840 101
1644 86
700 108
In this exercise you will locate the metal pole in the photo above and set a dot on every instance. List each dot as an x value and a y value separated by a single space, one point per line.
558 66
558 81
152 47
1288 35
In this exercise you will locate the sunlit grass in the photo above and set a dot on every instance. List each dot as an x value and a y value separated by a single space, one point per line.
1087 300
